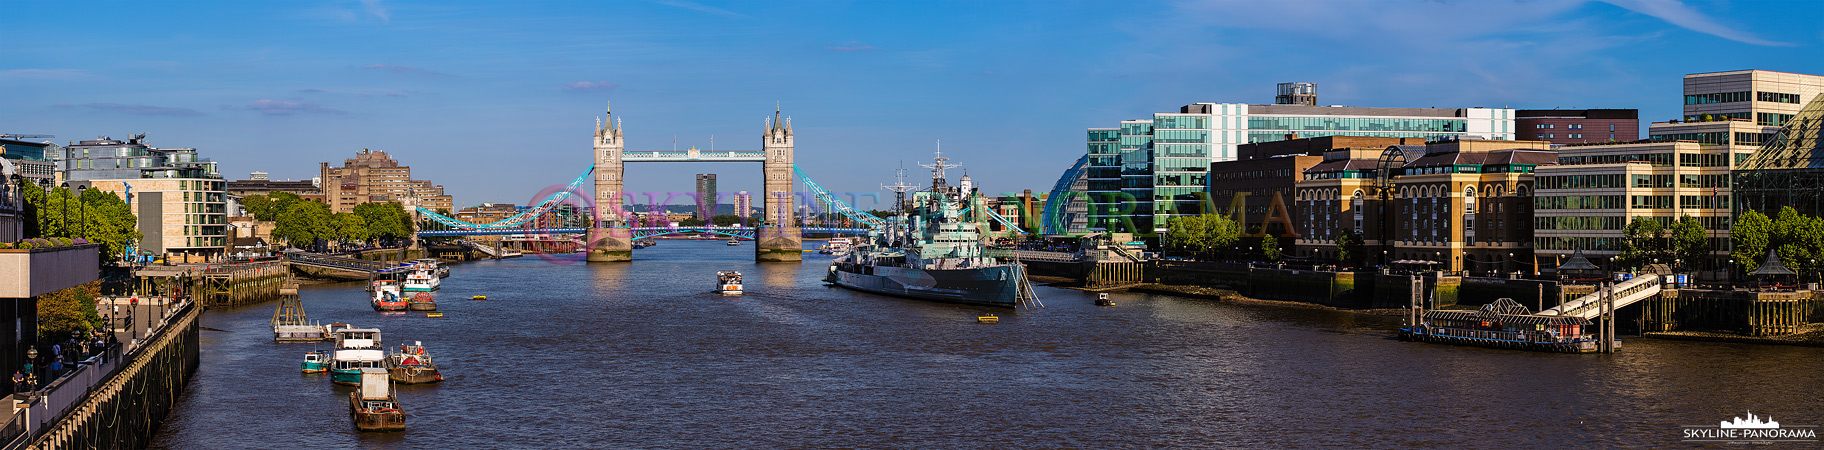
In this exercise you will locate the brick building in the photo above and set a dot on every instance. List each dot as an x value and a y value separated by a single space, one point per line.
373 176
1577 126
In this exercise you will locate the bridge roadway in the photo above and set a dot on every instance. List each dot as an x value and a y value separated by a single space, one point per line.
638 232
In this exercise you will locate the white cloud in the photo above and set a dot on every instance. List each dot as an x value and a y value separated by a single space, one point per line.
374 8
1676 13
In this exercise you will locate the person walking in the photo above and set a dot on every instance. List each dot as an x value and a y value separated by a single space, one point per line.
18 381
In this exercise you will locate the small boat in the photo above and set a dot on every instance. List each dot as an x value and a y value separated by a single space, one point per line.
734 242
316 362
373 407
421 301
728 282
411 365
988 319
385 293
479 297
1102 300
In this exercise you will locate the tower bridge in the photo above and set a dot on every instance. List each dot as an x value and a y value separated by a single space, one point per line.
610 235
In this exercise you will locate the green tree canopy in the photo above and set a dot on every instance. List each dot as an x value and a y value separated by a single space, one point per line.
387 220
303 223
1641 243
1799 238
1201 233
350 227
258 205
1349 248
1751 234
110 221
1690 245
69 312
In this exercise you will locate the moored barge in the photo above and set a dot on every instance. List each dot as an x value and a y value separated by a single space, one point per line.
1505 324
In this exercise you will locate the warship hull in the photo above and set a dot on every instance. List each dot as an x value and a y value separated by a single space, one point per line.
991 286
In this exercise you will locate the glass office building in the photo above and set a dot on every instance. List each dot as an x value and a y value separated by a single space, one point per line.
1788 169
1148 170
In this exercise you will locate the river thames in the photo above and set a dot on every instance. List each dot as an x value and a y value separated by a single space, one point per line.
640 355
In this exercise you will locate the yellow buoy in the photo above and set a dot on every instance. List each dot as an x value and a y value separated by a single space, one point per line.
435 314
479 297
988 319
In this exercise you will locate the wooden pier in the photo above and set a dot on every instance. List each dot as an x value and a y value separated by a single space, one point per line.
213 286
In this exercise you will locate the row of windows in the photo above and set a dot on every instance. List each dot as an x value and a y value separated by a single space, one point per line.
1357 124
1578 223
207 241
1577 243
1777 97
1656 159
1703 159
1182 151
1104 135
1182 136
1578 202
1275 136
1566 136
1358 174
204 230
1720 97
1771 119
1751 138
1716 116
1578 181
1703 201
1711 138
1181 122
1650 201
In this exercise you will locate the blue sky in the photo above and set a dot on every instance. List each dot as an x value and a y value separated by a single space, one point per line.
497 100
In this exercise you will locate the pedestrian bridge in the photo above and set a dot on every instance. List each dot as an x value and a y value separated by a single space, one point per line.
1589 306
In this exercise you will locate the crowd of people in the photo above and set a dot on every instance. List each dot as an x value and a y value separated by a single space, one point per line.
59 358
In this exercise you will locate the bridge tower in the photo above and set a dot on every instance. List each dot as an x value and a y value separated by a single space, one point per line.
778 238
610 239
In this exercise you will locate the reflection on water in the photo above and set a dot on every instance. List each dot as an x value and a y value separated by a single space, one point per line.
642 355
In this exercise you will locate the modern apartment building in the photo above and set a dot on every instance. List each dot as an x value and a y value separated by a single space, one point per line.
1454 205
1578 126
31 160
373 176
1740 109
177 196
1583 202
706 196
1146 170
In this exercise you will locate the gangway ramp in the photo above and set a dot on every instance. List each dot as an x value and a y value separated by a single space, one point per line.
1589 306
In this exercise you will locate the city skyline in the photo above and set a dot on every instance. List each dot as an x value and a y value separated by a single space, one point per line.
497 101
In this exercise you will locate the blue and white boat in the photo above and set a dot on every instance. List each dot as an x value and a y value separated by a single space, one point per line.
422 277
356 349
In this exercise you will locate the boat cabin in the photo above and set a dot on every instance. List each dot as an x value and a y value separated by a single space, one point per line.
358 338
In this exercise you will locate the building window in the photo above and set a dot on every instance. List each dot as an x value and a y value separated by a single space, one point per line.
1575 126
1543 126
1575 136
1545 135
1611 128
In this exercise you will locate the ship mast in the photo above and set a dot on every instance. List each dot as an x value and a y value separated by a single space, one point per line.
939 183
900 189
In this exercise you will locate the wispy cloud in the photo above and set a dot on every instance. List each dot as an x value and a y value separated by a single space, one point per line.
589 86
284 108
1676 13
44 74
405 70
374 8
698 7
137 110
851 46
365 93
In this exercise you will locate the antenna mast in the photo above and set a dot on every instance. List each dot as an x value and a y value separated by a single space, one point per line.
938 180
900 189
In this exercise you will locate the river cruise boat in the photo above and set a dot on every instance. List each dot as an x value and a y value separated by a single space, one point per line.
422 277
1504 324
728 282
373 407
412 365
734 242
421 301
316 362
436 266
356 349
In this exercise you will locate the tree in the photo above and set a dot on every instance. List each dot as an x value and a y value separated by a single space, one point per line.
1750 233
1349 248
725 220
350 228
1269 247
1690 244
303 223
110 221
1200 234
1799 238
69 312
387 221
1641 241
259 206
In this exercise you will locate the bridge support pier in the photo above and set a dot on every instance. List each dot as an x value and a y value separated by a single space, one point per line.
614 244
778 244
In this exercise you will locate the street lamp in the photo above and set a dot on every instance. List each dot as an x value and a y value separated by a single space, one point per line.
66 209
85 209
31 363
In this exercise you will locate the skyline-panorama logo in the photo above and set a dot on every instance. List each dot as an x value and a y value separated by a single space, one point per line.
1751 430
